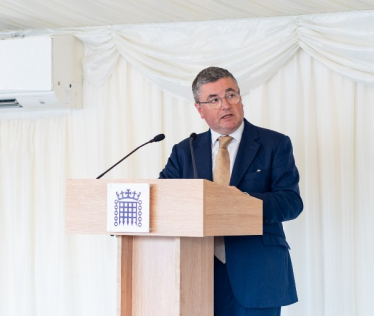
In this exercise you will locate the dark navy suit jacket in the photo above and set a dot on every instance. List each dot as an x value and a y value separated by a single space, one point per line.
259 267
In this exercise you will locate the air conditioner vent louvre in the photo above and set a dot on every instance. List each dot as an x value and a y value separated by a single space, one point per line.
13 103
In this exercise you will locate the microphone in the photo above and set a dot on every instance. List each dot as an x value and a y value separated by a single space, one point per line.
193 136
155 139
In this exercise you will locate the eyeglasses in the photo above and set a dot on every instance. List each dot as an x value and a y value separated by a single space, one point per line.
215 102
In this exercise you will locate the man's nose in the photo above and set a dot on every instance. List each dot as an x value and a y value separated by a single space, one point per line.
225 104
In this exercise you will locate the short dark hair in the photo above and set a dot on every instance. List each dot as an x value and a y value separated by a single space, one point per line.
210 74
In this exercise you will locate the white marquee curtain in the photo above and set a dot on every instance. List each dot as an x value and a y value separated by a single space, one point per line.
320 95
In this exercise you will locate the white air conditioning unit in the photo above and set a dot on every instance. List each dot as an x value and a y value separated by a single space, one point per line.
41 72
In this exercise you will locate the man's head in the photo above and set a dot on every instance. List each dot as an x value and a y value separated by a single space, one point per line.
217 99
210 74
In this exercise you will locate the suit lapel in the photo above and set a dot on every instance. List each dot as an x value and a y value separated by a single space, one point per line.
203 156
246 153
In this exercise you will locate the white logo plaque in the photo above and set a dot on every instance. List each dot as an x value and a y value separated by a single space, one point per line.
128 207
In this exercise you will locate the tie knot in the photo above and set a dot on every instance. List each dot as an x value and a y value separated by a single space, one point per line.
224 141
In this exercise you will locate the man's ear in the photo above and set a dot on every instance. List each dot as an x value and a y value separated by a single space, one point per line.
198 108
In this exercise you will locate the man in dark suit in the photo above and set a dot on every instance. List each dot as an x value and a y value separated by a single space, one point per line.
255 275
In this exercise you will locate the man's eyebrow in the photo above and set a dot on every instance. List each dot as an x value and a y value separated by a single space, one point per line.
212 95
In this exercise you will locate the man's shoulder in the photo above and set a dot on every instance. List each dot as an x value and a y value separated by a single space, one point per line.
200 137
262 133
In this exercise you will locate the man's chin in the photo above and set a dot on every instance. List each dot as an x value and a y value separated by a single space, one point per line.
228 128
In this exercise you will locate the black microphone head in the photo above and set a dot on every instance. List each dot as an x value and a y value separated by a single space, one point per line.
193 136
158 138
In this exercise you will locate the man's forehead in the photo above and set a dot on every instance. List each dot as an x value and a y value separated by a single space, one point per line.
218 87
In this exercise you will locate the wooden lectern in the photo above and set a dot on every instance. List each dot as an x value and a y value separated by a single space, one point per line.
168 271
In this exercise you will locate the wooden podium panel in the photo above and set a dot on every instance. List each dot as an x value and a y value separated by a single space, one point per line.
169 271
165 276
190 208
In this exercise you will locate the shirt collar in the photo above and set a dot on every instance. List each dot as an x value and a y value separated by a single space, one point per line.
237 135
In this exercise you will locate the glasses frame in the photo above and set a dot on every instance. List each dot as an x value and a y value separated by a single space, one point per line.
221 101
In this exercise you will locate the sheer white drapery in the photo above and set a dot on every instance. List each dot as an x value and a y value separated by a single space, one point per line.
327 115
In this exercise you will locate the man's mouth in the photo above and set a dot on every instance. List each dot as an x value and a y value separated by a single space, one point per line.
226 116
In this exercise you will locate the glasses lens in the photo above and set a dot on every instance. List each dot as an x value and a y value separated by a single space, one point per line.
215 103
232 97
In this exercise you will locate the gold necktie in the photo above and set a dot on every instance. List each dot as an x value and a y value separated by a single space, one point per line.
221 175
